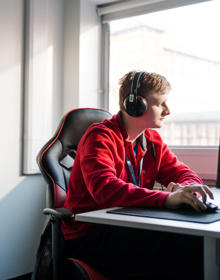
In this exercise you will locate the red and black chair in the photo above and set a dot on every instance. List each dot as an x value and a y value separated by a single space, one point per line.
55 161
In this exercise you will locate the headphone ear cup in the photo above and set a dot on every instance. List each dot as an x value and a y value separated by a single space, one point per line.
136 109
141 106
129 106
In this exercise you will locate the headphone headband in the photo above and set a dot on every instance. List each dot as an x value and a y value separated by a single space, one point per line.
135 83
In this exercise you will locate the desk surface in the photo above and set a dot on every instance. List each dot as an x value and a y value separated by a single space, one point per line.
205 230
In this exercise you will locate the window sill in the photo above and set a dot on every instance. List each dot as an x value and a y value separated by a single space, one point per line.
202 160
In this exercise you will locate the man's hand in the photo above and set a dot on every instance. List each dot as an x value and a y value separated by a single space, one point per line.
186 194
172 187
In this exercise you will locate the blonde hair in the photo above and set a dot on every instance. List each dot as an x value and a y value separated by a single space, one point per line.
149 83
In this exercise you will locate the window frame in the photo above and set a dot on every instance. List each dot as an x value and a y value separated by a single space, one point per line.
201 159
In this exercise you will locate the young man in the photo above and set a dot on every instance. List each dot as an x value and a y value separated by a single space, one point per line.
117 164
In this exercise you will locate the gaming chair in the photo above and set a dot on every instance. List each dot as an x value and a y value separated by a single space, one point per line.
55 161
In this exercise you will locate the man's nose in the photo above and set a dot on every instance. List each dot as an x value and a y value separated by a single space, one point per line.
166 110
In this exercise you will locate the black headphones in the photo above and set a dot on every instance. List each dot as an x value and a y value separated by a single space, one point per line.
136 105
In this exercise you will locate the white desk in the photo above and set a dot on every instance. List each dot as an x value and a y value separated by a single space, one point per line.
210 232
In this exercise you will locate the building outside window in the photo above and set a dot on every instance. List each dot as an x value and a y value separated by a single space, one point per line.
182 44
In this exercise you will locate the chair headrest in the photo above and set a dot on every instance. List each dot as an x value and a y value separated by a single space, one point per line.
56 158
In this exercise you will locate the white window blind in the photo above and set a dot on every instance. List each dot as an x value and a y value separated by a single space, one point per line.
38 84
123 9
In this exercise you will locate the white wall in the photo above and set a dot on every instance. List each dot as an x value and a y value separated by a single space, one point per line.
56 39
71 55
81 55
74 33
22 198
90 32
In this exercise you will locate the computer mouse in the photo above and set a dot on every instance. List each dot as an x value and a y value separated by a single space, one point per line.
211 207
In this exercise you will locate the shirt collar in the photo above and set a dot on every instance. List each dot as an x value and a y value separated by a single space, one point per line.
143 141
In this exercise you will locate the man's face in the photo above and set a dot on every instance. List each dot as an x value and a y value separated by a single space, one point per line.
157 110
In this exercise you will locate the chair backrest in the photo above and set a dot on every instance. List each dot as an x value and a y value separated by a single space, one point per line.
56 157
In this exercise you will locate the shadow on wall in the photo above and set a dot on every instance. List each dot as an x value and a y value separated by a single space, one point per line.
22 222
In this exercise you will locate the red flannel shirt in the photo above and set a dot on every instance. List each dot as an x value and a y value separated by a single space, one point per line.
100 177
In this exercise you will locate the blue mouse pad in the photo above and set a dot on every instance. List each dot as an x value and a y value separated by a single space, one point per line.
177 214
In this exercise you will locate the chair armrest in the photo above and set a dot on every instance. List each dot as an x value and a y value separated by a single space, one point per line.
60 213
57 215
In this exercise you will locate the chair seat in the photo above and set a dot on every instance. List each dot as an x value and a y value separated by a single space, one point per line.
80 270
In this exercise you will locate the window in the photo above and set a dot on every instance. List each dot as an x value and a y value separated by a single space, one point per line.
180 42
38 83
